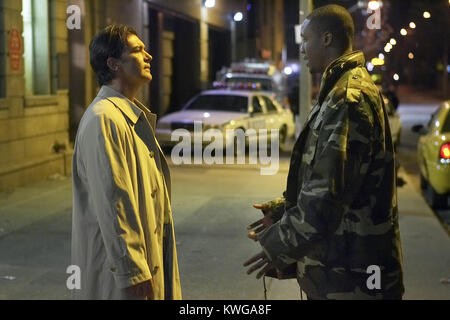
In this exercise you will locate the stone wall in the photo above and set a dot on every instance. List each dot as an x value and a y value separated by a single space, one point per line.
31 126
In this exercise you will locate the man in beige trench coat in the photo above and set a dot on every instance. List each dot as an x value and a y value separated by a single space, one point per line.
123 238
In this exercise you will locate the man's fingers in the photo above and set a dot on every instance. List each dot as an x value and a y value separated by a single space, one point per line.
255 224
264 271
258 206
260 229
252 235
257 266
257 257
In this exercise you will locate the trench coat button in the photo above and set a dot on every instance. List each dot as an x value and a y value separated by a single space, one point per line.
152 154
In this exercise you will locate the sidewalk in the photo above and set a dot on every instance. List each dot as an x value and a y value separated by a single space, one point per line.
25 211
426 246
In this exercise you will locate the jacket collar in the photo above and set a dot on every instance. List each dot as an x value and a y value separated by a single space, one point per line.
132 110
336 69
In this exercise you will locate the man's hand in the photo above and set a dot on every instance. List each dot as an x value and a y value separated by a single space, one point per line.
265 264
261 224
142 290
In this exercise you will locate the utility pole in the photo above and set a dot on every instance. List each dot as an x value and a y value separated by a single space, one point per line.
305 7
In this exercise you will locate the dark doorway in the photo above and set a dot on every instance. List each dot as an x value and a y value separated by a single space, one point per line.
186 61
219 51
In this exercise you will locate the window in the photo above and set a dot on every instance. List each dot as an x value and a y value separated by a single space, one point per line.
256 105
446 125
219 102
36 46
269 105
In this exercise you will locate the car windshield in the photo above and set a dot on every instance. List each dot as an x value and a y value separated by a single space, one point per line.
266 84
219 102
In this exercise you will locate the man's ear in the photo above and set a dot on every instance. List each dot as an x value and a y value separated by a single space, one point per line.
113 64
327 38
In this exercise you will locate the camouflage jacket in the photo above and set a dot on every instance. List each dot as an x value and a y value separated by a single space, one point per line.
340 217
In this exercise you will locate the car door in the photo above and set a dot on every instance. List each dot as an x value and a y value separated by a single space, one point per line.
272 116
257 120
426 147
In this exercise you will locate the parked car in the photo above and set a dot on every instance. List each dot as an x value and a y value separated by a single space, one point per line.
228 109
394 122
433 154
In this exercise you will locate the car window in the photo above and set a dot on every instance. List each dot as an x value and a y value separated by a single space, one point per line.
446 125
269 105
219 102
432 124
256 105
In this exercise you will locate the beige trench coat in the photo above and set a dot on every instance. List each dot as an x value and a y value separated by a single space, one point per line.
122 226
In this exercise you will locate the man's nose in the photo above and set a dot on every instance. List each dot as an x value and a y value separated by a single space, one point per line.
148 57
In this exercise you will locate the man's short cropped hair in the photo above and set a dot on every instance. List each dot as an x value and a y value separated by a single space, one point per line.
110 42
336 20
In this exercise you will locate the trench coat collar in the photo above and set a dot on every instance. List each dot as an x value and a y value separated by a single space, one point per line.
132 110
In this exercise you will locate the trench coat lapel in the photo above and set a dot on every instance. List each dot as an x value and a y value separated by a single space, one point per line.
143 122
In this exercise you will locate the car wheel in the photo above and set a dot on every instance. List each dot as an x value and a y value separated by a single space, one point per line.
435 200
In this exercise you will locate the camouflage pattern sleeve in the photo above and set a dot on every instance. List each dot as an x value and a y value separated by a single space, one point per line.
338 152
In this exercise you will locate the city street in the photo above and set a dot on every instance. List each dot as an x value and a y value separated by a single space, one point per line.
212 206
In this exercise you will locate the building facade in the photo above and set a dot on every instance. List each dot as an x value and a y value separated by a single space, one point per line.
46 81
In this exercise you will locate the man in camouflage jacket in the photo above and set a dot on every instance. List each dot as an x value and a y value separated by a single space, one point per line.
338 219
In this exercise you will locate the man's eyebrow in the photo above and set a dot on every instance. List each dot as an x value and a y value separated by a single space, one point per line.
139 46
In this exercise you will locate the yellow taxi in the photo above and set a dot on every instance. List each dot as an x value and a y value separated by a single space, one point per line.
433 154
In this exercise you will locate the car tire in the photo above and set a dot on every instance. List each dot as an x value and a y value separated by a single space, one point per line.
435 200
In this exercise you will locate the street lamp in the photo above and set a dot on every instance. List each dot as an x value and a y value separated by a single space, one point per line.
426 15
412 25
403 32
396 77
374 5
238 16
410 55
393 42
209 3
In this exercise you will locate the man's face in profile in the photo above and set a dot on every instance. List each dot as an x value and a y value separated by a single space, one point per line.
312 48
135 62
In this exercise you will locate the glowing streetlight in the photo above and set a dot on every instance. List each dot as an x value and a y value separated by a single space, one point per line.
388 45
238 16
412 25
393 42
209 3
381 56
426 15
387 49
396 77
374 5
288 70
403 32
411 55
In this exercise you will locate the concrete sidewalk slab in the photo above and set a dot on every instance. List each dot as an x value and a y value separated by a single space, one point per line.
426 246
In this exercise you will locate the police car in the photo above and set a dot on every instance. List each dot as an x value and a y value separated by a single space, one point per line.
433 155
244 106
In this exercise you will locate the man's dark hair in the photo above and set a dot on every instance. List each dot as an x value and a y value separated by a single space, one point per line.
110 42
336 20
